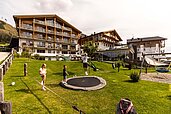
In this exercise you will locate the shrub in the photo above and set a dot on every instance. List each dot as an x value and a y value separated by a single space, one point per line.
16 55
25 54
36 56
135 76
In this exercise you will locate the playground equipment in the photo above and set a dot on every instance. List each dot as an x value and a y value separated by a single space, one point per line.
150 61
86 83
160 67
91 64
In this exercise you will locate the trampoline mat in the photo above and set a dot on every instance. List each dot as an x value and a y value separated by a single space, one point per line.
84 82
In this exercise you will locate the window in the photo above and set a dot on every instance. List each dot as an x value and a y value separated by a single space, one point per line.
41 29
58 25
40 44
64 47
66 40
50 38
27 26
50 22
49 45
27 34
64 52
57 46
40 51
29 43
49 51
40 36
66 33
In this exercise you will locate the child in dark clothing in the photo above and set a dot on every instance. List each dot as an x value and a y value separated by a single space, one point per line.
65 73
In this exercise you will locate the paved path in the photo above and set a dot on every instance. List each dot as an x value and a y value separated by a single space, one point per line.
157 77
3 55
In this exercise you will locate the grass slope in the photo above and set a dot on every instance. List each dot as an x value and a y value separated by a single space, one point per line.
28 98
7 29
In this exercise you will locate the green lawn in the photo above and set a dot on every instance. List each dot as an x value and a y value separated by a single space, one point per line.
28 98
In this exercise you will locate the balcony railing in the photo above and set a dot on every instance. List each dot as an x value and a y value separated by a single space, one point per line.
50 23
40 30
40 45
50 32
25 36
39 22
50 39
73 44
67 28
59 33
27 28
67 35
73 36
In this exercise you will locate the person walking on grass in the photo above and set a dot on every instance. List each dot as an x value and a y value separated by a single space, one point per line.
42 73
65 73
85 63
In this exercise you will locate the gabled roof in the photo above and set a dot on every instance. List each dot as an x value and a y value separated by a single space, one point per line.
154 38
16 17
109 31
104 33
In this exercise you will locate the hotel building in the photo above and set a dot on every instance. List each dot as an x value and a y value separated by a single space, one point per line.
47 35
103 40
106 43
147 45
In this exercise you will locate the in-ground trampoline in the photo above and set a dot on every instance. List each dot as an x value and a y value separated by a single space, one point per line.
86 83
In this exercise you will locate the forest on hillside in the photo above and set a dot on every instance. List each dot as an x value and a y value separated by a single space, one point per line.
7 32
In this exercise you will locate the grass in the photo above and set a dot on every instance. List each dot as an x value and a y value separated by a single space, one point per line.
4 44
28 98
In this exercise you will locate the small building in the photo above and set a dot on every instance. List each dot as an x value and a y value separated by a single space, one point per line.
147 45
120 52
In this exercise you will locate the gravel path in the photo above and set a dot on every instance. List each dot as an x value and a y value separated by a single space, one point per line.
157 77
3 55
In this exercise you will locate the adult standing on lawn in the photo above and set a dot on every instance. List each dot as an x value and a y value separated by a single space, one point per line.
42 73
118 65
85 63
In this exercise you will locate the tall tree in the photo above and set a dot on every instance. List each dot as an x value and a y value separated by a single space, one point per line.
89 48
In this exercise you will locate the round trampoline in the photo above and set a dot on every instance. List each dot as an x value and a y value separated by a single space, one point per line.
86 83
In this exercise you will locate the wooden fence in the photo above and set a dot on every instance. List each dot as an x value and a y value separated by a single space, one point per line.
5 107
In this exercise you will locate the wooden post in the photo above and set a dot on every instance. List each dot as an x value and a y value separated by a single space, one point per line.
25 69
1 91
1 74
6 107
4 71
6 64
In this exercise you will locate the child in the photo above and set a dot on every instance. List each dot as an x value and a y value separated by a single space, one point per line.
65 73
42 73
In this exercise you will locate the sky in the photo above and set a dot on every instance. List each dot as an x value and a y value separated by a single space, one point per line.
130 18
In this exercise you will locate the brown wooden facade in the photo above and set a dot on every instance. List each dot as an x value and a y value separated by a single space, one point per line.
46 34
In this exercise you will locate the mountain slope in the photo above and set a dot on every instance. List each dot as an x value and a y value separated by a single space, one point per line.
6 32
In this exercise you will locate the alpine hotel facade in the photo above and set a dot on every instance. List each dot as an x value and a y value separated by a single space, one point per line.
46 34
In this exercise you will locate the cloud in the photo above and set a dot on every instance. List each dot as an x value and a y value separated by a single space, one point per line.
49 6
138 18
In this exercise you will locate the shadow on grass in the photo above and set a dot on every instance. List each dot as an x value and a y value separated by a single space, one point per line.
23 90
169 97
30 91
19 76
114 71
61 73
52 85
26 90
130 81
